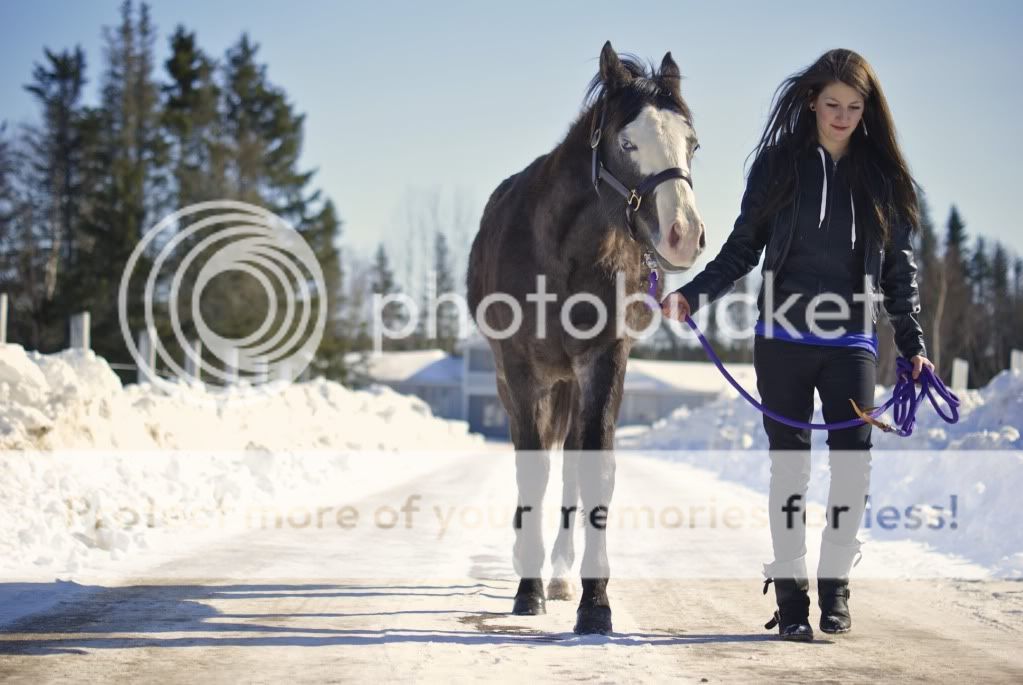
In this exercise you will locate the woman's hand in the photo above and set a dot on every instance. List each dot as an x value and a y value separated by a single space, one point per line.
675 306
919 361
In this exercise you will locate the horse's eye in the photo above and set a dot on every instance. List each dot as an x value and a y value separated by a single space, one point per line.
696 148
627 145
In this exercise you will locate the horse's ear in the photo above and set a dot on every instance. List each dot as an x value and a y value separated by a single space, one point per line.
669 72
612 72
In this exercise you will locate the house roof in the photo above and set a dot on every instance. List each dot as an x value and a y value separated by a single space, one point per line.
656 375
398 367
436 367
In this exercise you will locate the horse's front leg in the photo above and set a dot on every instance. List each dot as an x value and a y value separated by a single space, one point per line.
601 377
532 470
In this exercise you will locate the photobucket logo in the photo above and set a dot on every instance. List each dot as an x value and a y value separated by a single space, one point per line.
585 315
217 238
511 314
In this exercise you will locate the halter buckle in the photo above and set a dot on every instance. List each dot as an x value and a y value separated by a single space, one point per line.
633 197
595 138
650 260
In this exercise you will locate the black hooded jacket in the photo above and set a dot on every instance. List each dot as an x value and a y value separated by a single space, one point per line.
815 246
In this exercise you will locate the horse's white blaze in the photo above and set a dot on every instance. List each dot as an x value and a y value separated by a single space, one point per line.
661 138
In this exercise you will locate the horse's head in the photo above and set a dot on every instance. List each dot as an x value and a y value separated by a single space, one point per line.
647 128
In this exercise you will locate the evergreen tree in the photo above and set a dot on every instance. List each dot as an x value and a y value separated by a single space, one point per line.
191 118
265 137
980 312
1017 278
262 141
954 339
382 282
979 272
56 144
1002 310
50 177
446 314
955 236
6 187
321 233
128 166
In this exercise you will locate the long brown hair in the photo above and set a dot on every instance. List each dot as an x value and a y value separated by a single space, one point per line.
880 177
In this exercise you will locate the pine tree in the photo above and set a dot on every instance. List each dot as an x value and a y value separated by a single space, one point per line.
191 118
979 272
955 237
447 315
262 141
6 184
57 87
382 283
1017 278
265 137
321 233
954 339
1001 309
128 166
1016 327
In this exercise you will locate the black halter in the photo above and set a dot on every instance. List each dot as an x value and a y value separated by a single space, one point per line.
634 196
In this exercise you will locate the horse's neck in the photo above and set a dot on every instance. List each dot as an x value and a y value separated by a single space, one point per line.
564 187
575 227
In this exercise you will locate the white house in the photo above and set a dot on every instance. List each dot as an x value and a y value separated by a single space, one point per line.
464 387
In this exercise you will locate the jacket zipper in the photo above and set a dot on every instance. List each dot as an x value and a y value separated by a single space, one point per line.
829 209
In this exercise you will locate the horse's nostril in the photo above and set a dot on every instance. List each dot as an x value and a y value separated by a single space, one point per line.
674 235
703 237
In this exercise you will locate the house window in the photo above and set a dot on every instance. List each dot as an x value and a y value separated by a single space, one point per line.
487 415
481 359
494 415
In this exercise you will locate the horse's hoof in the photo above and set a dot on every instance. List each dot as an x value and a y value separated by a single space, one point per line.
529 599
559 589
593 620
529 605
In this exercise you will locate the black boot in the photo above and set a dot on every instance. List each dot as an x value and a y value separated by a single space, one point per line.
833 599
791 590
833 585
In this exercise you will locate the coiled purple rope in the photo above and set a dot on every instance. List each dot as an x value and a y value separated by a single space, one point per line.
905 401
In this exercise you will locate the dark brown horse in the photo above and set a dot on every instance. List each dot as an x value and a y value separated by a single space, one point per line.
613 199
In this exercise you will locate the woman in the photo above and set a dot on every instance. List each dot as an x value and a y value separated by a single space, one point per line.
831 198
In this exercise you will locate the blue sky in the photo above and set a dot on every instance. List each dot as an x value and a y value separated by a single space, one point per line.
408 99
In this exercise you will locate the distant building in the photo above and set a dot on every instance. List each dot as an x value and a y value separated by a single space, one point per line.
464 387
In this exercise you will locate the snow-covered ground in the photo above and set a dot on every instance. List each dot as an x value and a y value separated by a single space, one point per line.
125 533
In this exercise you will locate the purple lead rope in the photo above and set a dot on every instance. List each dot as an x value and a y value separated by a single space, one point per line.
904 400
652 290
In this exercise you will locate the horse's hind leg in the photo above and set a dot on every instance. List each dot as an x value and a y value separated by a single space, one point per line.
569 437
521 398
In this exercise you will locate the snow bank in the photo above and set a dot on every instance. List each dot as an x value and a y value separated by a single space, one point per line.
91 471
979 460
73 400
990 419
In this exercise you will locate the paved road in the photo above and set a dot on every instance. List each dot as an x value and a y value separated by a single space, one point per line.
273 605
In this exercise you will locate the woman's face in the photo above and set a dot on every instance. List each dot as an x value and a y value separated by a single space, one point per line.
839 109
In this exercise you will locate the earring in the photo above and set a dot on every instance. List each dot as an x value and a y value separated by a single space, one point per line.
812 108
